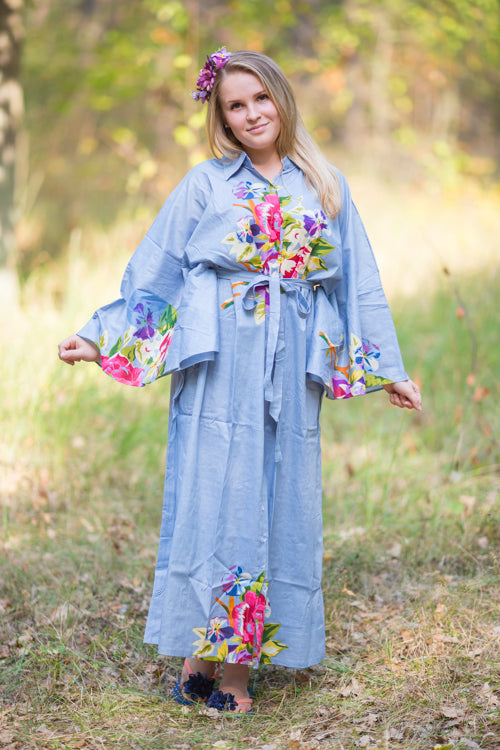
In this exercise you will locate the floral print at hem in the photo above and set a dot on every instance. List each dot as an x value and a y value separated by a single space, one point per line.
240 635
138 356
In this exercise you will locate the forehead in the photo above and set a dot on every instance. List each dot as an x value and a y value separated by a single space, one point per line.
239 84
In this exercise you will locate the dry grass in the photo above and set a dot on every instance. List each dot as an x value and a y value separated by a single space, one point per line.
412 542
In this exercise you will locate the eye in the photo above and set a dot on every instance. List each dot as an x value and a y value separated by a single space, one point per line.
262 97
235 105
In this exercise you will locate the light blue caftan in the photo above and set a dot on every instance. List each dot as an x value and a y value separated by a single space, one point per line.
258 305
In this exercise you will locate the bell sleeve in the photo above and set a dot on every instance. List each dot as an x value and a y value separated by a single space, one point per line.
140 336
363 352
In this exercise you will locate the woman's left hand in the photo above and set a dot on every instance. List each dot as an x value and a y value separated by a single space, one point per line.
405 394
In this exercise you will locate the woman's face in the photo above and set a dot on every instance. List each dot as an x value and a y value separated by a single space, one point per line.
250 113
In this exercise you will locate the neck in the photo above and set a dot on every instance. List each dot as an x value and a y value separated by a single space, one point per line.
268 164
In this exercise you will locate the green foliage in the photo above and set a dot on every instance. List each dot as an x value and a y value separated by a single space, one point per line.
112 127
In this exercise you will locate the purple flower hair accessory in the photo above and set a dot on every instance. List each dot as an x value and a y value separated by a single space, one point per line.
206 79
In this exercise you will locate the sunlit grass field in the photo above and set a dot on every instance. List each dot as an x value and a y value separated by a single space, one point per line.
411 510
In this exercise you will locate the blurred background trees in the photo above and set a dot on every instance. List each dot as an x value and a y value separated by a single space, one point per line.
409 89
11 108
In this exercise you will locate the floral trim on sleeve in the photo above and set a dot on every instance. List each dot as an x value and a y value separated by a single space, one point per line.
239 635
358 373
270 240
137 357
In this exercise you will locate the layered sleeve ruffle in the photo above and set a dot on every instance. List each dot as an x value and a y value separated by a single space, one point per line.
356 348
161 322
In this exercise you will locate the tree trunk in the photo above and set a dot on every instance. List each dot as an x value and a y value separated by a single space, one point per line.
11 110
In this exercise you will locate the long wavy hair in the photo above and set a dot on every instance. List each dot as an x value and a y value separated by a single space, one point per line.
293 141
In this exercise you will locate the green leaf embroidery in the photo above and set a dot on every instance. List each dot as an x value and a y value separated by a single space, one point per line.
270 629
117 346
168 319
372 380
129 352
321 247
290 221
256 261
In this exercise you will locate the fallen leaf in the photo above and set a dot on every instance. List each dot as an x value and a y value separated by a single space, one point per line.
61 613
488 693
395 734
466 742
452 712
365 741
469 502
407 635
395 550
347 591
353 688
322 712
439 612
330 645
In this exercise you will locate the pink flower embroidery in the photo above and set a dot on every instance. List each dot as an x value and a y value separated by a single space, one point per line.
270 217
165 344
294 267
248 618
119 368
240 657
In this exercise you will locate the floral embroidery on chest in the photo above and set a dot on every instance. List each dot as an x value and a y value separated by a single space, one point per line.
276 236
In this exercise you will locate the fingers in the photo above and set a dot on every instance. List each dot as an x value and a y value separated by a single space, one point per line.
67 350
415 397
75 349
70 356
405 395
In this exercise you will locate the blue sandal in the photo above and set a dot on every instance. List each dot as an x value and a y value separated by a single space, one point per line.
227 702
196 689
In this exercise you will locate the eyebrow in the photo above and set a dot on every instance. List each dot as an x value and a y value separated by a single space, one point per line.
232 101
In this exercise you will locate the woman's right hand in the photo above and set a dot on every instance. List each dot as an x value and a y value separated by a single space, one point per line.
76 349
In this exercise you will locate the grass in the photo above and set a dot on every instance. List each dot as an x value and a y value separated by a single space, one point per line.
411 556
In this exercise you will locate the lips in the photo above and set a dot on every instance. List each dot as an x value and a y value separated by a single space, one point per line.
257 128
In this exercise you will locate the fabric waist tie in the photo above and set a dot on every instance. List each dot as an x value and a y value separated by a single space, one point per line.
273 375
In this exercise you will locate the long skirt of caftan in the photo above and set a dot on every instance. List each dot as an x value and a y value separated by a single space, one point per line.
238 574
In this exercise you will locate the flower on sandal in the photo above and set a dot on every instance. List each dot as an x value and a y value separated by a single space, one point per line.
199 685
222 701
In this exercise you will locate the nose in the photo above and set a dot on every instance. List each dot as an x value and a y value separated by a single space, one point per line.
252 112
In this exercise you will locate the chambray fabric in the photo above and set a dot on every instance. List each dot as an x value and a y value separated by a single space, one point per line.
258 305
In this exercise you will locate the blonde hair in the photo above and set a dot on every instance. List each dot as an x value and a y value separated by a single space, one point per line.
293 141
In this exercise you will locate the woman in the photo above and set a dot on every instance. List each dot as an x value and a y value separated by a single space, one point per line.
256 287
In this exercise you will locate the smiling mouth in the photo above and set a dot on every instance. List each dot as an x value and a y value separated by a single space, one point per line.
257 128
